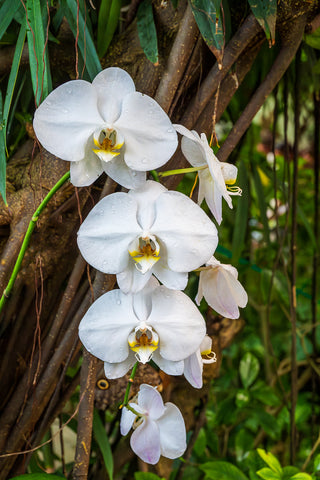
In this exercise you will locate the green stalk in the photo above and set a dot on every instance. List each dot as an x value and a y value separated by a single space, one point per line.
126 396
181 170
27 236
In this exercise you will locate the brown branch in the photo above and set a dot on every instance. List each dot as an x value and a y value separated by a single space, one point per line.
85 416
290 46
178 60
249 29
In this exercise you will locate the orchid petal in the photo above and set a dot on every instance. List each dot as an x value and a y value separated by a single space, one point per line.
209 190
172 432
118 370
223 292
168 366
193 150
178 323
105 328
145 442
131 280
104 236
141 301
145 196
189 235
86 171
150 139
67 118
171 279
118 170
150 400
112 85
193 368
126 421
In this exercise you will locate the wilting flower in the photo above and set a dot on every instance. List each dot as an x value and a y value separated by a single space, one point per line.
158 428
220 286
105 126
217 179
156 323
193 365
148 230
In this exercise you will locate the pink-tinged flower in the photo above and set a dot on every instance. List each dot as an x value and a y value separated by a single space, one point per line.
156 323
147 231
193 365
159 428
220 286
105 126
217 179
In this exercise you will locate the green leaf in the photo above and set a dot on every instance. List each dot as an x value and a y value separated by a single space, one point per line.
268 474
146 476
37 476
206 14
222 471
266 395
313 40
243 444
13 76
248 369
103 441
7 12
3 158
265 12
241 215
108 20
316 464
85 42
301 476
147 31
38 51
270 460
288 471
242 398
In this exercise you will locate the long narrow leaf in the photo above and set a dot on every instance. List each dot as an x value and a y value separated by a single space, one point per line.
110 27
103 18
7 12
38 57
147 31
210 25
102 439
13 76
3 159
85 42
265 12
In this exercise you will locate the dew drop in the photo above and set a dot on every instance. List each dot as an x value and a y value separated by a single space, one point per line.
169 130
64 110
118 302
150 112
144 160
48 103
134 174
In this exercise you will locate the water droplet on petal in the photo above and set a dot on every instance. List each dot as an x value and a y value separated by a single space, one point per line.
144 160
48 103
134 174
118 302
169 130
64 110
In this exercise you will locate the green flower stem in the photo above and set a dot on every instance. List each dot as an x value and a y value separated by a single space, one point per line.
27 236
126 396
181 170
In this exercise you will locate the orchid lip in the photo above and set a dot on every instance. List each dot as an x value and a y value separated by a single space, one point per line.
145 252
108 142
143 342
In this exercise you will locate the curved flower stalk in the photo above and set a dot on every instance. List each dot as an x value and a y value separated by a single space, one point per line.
215 181
193 365
220 286
105 126
159 428
148 230
155 323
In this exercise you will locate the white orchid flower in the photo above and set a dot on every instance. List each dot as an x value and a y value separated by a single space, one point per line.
105 126
156 323
216 180
193 365
159 428
148 230
220 286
